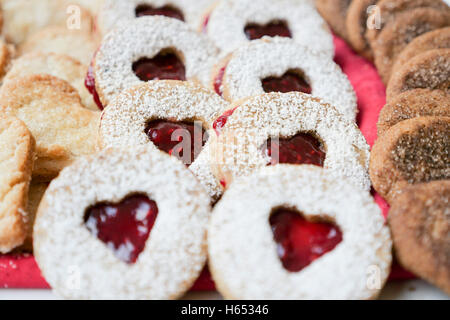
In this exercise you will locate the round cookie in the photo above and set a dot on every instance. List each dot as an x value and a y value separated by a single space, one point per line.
160 113
16 164
411 152
57 65
94 6
233 23
123 224
335 13
281 65
400 32
22 18
428 70
411 104
290 128
63 129
158 48
115 11
6 53
437 39
254 247
420 223
76 44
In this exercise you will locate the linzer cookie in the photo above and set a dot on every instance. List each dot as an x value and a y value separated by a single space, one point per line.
128 223
335 13
411 152
281 65
173 116
292 128
297 232
157 48
232 23
420 225
428 70
411 104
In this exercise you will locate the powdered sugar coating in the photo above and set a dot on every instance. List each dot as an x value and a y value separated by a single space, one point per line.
124 120
243 255
146 37
120 10
77 265
285 115
274 57
227 22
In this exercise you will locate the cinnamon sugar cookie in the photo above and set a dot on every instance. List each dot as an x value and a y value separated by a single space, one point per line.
172 116
22 18
287 128
297 232
157 48
6 53
420 224
428 70
411 152
397 34
63 129
411 104
232 23
123 224
16 163
281 65
94 6
57 65
335 13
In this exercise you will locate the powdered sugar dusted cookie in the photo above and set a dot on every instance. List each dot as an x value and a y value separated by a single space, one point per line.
16 163
232 23
130 222
290 128
115 11
63 129
297 232
281 65
157 48
335 13
172 116
57 65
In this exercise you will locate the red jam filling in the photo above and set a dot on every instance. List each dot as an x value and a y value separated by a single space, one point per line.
218 80
124 227
89 82
170 137
222 120
205 25
165 66
167 11
272 29
300 241
288 82
302 148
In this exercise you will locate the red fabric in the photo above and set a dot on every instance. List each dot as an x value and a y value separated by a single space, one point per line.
22 271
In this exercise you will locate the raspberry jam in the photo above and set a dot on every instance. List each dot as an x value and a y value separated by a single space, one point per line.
165 66
167 11
218 80
89 82
300 241
169 137
272 29
222 120
123 227
302 148
288 82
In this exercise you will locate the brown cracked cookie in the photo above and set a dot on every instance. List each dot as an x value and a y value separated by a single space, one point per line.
335 12
400 32
428 70
356 23
420 225
411 152
411 104
16 163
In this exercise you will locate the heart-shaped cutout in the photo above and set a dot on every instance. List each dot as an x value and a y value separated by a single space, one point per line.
124 227
302 148
301 241
167 11
164 66
289 82
255 31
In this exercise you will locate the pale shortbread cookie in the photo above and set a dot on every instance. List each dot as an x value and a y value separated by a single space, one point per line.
94 6
16 164
175 252
63 129
243 255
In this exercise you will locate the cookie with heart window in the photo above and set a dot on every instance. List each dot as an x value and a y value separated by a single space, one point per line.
307 235
126 223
